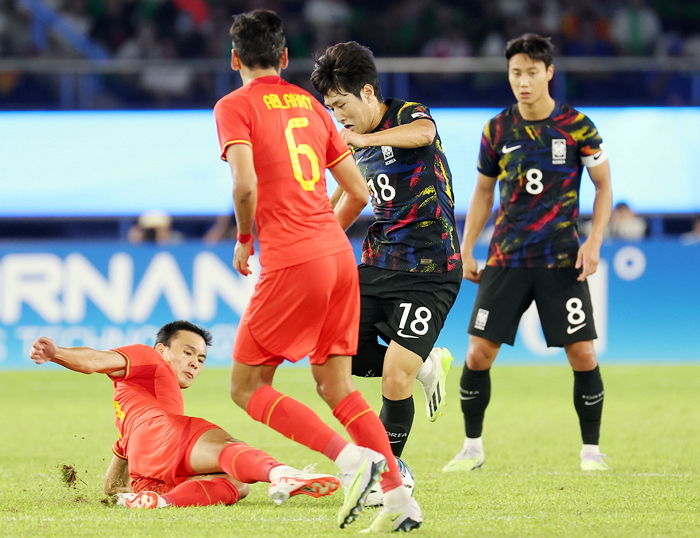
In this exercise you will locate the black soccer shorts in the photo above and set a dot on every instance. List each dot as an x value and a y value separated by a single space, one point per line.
563 304
408 308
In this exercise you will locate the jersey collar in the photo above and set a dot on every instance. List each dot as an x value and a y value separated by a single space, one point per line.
389 102
555 111
270 79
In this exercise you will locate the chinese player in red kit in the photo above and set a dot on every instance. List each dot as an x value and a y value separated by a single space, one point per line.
164 458
278 141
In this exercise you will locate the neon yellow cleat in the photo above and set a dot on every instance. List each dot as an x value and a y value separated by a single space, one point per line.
469 458
434 383
402 514
358 479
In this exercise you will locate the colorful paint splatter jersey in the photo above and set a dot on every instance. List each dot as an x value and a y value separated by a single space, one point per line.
538 165
411 189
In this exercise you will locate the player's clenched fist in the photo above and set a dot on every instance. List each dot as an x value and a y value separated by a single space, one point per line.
351 138
470 268
43 350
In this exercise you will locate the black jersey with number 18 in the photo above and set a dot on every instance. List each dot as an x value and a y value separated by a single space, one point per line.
411 189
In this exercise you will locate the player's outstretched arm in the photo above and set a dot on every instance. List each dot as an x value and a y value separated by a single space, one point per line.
479 211
79 359
355 192
589 252
117 477
416 134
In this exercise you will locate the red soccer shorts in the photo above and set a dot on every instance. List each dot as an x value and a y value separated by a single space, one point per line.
312 308
159 451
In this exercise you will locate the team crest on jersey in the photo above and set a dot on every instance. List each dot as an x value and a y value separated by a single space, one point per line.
388 153
558 151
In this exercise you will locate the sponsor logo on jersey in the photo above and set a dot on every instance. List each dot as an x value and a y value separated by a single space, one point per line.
482 317
388 153
419 115
508 149
558 151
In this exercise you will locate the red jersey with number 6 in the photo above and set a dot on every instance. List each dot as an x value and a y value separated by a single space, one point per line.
294 140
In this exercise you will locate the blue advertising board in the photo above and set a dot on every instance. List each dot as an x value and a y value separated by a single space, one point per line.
106 158
645 295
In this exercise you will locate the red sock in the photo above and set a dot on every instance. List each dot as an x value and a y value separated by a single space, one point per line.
246 464
294 420
203 493
367 430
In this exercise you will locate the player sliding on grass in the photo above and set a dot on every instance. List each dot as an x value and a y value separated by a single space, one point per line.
278 141
411 269
165 457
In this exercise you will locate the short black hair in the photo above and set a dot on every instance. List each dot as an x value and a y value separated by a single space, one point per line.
345 68
167 331
535 46
258 38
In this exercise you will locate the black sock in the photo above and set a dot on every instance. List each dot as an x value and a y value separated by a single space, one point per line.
397 417
475 393
588 401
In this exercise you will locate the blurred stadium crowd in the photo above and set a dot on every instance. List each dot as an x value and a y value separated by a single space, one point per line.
199 28
196 31
56 55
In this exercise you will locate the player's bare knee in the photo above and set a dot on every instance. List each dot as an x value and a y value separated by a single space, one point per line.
396 383
327 391
481 356
333 392
239 395
581 356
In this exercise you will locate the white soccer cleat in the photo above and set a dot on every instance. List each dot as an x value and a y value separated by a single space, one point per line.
360 468
594 461
142 499
376 496
400 513
297 482
433 377
471 457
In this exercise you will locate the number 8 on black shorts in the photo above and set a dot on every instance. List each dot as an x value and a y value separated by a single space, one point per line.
563 304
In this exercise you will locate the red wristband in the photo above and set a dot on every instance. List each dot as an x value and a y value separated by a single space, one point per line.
245 238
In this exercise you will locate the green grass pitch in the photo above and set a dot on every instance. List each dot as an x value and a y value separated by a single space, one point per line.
529 486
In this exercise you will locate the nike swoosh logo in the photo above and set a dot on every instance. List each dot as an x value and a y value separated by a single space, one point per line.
597 155
594 401
467 397
401 334
512 148
572 330
394 442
